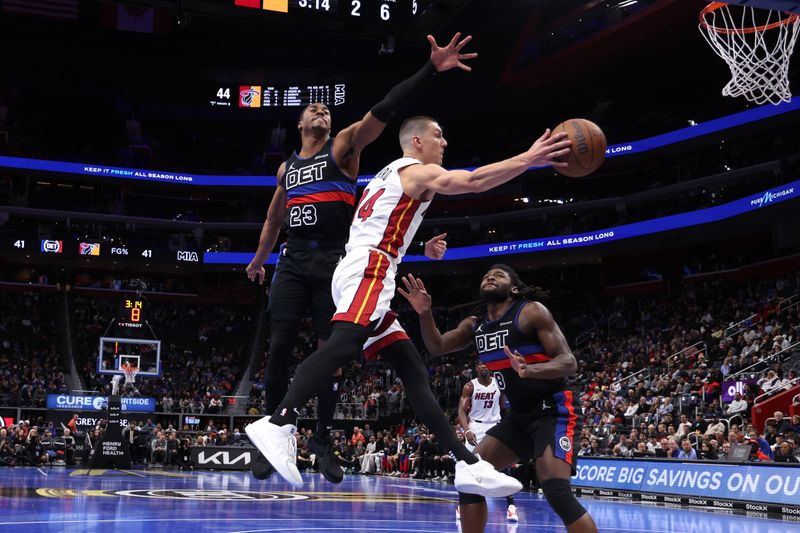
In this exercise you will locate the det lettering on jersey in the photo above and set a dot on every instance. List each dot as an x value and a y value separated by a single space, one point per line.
485 395
488 342
302 176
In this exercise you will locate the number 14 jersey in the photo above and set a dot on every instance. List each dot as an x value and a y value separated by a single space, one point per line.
386 218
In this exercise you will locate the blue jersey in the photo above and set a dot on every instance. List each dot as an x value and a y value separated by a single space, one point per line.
320 198
491 336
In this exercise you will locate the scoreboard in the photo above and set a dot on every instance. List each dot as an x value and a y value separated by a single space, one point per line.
263 95
136 255
385 11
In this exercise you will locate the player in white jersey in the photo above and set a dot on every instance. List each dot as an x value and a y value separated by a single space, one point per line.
363 285
478 411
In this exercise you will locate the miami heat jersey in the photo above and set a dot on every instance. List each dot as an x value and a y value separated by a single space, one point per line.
320 198
386 218
491 336
485 402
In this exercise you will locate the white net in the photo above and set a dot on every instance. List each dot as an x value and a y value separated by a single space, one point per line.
757 45
129 372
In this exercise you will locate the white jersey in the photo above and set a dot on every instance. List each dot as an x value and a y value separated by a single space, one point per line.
485 403
386 218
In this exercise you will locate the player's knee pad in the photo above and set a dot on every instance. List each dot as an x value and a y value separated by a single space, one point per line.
560 497
465 498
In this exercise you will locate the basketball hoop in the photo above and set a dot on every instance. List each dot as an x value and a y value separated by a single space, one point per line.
756 45
129 371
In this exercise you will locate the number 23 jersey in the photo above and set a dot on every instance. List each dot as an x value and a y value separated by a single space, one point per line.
320 198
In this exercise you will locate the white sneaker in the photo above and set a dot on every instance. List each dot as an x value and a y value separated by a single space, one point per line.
279 447
511 514
458 512
481 478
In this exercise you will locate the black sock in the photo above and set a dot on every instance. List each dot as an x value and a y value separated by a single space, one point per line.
343 346
326 406
408 364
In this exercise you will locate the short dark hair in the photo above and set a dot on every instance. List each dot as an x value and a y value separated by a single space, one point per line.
413 126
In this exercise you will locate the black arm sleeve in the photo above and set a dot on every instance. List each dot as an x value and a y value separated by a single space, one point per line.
402 93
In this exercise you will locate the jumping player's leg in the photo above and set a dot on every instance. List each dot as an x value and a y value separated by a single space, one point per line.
474 513
343 346
405 359
322 309
289 300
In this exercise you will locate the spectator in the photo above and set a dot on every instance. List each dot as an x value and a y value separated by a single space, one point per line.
73 423
737 407
785 454
158 449
687 452
726 449
167 403
781 424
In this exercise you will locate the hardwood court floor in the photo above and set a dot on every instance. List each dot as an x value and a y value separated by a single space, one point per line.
148 501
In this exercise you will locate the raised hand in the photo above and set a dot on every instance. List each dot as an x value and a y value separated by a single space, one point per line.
450 56
436 247
416 294
547 150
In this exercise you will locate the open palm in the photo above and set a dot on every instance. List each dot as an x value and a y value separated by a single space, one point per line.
450 56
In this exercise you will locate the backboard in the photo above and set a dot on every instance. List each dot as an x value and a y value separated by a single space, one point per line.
113 352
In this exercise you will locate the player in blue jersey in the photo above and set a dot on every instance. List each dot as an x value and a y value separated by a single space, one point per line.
519 341
315 201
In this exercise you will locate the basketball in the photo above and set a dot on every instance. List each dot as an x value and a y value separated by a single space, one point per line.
588 147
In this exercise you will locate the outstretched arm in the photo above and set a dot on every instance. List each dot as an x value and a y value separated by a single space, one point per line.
537 318
436 342
269 231
355 137
545 151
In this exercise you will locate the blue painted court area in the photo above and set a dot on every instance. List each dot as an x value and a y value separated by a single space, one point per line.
225 502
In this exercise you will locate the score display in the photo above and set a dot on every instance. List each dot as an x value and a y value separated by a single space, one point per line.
142 254
370 10
272 96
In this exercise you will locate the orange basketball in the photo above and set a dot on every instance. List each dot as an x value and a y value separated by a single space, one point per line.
588 147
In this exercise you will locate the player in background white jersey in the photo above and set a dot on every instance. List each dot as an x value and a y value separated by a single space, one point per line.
363 285
479 410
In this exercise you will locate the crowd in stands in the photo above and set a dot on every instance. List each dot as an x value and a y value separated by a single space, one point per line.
30 363
650 374
37 444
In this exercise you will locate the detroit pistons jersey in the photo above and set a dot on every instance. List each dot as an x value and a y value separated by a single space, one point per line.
386 218
485 402
491 336
320 198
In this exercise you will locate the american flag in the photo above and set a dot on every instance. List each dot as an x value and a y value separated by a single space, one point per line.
56 9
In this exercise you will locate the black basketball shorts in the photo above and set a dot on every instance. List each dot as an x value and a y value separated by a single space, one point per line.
302 283
558 425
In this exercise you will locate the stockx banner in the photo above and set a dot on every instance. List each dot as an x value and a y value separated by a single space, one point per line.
98 403
746 483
